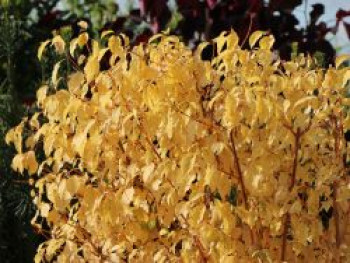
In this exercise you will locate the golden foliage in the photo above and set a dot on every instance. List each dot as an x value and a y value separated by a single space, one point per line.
166 157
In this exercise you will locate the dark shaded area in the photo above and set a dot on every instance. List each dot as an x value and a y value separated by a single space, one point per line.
23 25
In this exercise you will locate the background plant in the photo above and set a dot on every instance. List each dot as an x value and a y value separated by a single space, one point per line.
22 25
97 12
15 203
197 20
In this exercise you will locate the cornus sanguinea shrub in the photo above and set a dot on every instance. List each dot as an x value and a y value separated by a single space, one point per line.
164 156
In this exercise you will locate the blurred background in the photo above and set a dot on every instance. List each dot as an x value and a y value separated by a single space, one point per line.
319 28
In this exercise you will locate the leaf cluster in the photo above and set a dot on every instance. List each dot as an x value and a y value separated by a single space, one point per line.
164 156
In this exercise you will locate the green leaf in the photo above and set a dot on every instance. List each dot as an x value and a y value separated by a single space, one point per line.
232 196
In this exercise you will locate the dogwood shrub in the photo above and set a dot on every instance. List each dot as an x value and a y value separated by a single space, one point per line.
174 155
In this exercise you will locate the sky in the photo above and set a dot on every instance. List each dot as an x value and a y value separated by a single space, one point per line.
340 40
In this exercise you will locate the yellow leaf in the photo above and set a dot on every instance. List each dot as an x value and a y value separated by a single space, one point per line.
114 45
41 94
95 48
220 41
59 44
17 163
101 53
72 46
79 140
34 123
83 25
286 105
75 81
303 100
128 196
266 43
30 142
232 39
344 193
147 172
346 101
81 60
31 162
42 48
55 71
10 136
106 33
125 39
92 68
217 147
83 39
44 209
340 60
296 207
155 37
25 161
15 136
346 78
78 143
73 184
255 37
200 48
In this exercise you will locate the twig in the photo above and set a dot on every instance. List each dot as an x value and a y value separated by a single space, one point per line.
240 178
210 125
150 144
295 161
20 182
337 134
336 214
202 250
239 170
248 31
73 63
297 136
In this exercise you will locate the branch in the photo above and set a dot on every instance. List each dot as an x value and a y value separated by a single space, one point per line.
205 257
249 30
297 136
150 144
21 182
240 178
239 170
337 134
210 125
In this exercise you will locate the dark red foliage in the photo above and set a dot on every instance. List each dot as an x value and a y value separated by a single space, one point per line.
342 13
206 19
347 28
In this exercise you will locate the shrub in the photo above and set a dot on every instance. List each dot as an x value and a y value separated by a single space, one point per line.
169 154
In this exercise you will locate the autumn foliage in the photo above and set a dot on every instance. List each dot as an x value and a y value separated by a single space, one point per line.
170 156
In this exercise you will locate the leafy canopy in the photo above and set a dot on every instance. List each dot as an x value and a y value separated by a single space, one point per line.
164 155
